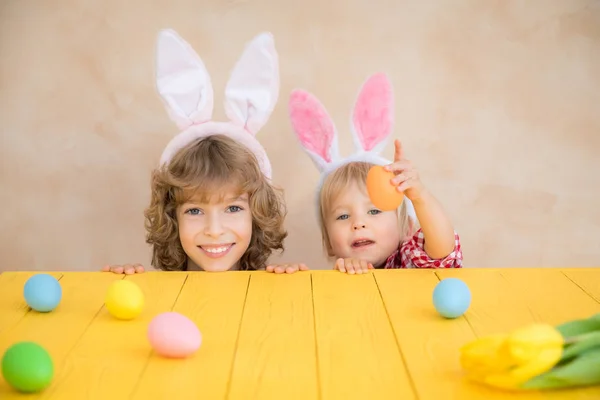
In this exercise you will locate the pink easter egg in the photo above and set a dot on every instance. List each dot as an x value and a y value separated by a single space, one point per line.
174 335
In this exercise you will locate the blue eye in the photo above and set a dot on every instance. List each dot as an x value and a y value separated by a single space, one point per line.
234 209
193 211
342 217
374 212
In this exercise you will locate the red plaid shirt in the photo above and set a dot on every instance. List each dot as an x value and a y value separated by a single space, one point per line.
411 254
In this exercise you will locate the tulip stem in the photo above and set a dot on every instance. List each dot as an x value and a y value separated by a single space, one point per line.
579 338
575 346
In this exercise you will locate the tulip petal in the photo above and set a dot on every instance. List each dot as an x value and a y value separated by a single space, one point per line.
543 362
508 361
534 335
582 371
536 349
482 355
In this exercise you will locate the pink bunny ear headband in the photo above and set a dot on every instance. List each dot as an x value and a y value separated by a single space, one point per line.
372 125
186 90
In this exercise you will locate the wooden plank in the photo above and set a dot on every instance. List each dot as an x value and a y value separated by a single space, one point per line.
587 279
58 331
215 303
358 357
12 303
107 361
505 299
430 344
275 356
546 292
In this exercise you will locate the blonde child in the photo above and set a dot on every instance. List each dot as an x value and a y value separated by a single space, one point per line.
213 206
355 233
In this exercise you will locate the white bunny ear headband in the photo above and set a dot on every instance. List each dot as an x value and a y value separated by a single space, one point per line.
186 90
372 126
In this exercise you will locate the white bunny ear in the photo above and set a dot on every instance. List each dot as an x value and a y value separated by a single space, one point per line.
253 88
314 128
373 117
182 80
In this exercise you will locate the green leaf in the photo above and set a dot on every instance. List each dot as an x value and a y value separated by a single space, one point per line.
585 342
582 371
579 326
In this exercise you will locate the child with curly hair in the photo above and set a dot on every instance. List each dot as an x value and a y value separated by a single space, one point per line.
355 233
213 206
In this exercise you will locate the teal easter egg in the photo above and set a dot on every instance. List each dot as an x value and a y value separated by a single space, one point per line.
451 297
27 367
42 292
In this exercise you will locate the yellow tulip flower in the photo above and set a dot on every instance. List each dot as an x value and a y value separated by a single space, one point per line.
509 360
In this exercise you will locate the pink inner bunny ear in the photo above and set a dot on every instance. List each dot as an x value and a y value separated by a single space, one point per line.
253 88
182 80
373 118
313 126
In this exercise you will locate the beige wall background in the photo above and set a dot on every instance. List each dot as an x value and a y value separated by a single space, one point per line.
497 103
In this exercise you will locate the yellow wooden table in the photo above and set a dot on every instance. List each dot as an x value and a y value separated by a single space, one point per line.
311 335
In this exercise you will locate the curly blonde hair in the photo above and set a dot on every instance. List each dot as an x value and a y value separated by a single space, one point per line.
336 182
202 169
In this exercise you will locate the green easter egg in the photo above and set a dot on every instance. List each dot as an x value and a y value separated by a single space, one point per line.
27 367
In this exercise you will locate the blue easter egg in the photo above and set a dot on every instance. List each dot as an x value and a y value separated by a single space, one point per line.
451 297
42 292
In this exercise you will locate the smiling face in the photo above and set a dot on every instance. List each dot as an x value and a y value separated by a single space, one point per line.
212 208
215 232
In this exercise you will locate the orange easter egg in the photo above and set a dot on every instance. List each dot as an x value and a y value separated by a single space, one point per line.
382 193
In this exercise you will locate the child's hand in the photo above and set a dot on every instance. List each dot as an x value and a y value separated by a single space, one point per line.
128 269
407 178
286 268
352 266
